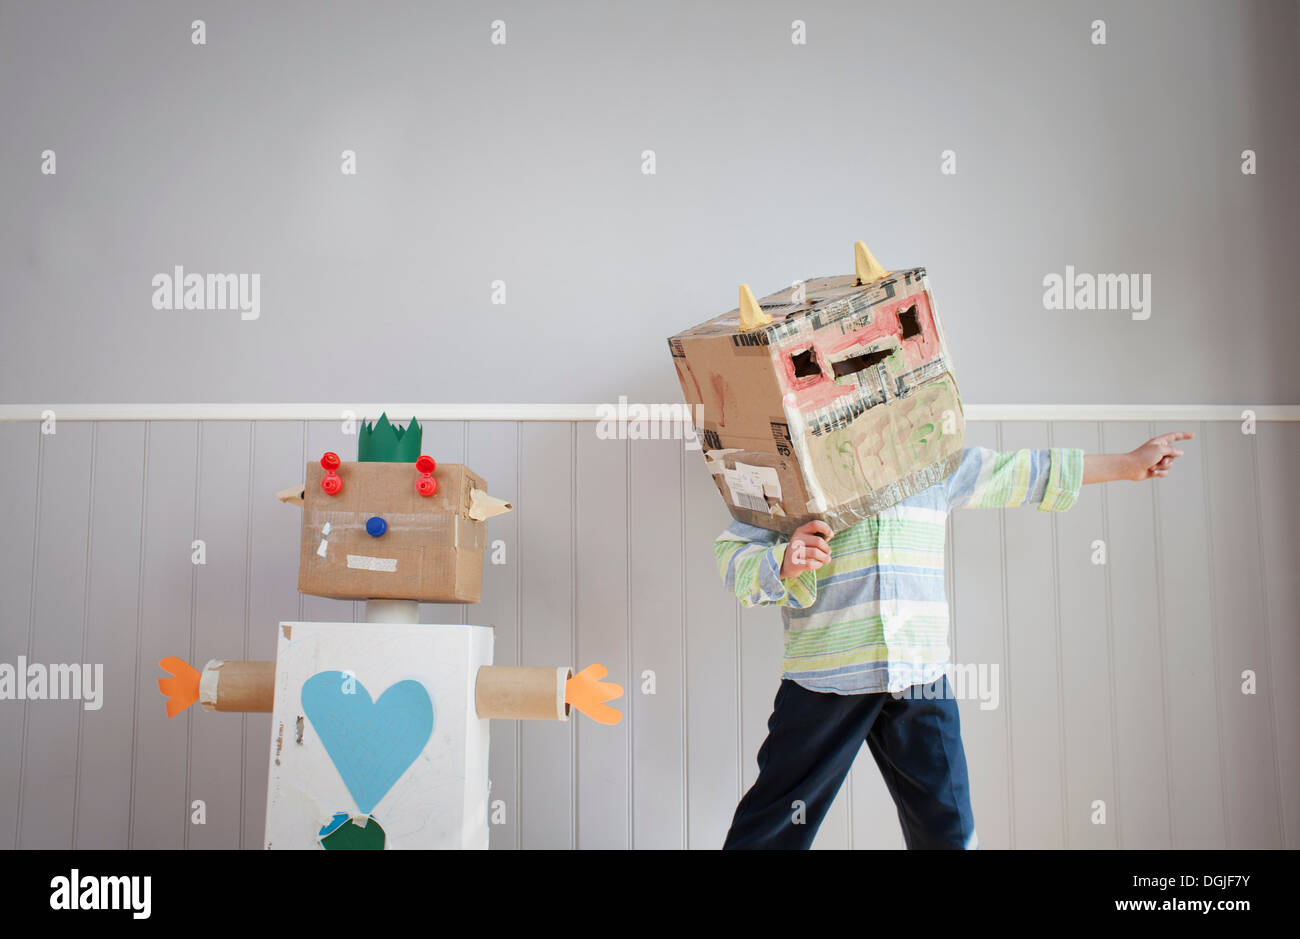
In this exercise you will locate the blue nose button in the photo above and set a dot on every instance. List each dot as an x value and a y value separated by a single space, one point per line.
376 526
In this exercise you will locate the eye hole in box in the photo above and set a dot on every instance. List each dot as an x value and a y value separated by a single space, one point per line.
860 363
909 321
805 364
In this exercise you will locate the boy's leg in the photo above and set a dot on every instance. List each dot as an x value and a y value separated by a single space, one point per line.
917 745
812 738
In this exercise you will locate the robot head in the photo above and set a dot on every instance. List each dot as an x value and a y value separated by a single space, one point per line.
395 524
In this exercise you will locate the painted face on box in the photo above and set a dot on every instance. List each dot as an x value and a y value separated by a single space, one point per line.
832 400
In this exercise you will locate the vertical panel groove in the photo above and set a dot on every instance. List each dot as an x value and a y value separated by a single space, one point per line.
1268 642
519 641
950 591
1214 633
464 449
686 726
1006 658
1060 663
139 625
31 625
1161 629
631 644
85 623
740 713
573 621
1110 656
194 587
302 464
248 617
950 580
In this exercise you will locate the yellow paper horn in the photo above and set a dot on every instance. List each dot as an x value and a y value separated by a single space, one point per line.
868 267
751 314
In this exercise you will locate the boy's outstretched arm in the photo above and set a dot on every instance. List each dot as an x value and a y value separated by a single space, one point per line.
992 479
1051 478
1151 459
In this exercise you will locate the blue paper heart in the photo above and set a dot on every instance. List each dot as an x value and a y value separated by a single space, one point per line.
371 743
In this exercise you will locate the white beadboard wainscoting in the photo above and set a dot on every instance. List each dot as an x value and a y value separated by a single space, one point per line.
1120 684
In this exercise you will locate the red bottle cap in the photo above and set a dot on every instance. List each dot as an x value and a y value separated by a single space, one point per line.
332 483
330 460
426 464
426 485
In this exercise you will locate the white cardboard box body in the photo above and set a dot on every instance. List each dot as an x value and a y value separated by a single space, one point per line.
342 743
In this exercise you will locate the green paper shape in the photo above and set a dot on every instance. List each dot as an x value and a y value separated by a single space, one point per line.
385 442
350 836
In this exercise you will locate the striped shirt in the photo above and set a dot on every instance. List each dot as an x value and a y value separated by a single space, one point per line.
875 617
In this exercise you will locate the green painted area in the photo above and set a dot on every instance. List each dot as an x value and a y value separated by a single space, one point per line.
922 437
386 442
352 837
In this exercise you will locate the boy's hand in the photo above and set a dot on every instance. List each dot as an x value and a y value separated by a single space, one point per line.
1155 456
808 549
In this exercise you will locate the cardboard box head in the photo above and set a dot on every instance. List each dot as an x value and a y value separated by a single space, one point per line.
839 401
429 548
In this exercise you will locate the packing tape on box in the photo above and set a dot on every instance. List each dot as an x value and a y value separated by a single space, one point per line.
247 687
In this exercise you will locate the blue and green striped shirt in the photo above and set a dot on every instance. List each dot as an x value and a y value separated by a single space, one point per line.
875 617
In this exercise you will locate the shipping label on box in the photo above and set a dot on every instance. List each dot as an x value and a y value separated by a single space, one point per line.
427 548
843 405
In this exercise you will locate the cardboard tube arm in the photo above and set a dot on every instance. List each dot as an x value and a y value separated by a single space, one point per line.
237 686
522 693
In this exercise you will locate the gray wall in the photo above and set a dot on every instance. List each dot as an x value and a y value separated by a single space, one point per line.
1119 682
523 163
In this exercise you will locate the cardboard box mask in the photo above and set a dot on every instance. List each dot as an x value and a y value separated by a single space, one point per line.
831 405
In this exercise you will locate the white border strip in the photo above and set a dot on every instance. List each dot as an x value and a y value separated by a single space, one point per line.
596 412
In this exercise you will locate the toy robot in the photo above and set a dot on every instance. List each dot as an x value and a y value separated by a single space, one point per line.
380 729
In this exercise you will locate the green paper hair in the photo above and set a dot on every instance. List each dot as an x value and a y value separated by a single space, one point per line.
385 442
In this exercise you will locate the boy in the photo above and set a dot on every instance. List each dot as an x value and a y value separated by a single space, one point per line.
866 644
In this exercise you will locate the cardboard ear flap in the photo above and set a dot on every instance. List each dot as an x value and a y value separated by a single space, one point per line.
483 506
293 494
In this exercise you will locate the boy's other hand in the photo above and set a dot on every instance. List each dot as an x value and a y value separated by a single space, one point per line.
1155 456
808 549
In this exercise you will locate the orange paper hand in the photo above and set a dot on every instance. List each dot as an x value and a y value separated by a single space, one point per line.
181 690
586 692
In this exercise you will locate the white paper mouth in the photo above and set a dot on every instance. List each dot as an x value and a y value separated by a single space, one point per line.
365 563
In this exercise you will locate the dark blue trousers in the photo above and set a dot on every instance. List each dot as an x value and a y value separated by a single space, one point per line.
812 738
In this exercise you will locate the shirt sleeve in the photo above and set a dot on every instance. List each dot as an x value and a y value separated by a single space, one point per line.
749 559
988 479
